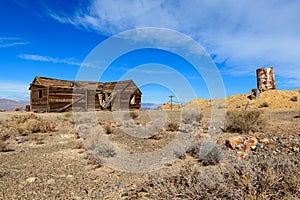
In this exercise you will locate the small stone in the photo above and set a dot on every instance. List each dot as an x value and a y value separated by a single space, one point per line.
296 149
51 181
239 152
250 143
253 148
120 185
264 140
70 176
31 180
235 141
205 136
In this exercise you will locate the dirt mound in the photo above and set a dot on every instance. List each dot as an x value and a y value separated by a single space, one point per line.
201 103
272 99
167 106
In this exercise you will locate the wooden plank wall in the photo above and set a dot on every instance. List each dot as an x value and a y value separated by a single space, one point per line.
55 98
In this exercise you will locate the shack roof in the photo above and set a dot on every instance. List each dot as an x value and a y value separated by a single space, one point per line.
51 82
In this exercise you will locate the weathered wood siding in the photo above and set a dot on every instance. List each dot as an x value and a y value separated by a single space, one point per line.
38 100
48 95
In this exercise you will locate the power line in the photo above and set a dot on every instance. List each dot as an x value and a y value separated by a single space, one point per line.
171 99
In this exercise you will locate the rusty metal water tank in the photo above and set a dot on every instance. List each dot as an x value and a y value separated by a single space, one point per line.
265 79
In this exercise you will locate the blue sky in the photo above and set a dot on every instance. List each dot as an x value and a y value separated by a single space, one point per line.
52 38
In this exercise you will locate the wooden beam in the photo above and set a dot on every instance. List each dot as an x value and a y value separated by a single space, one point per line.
86 100
70 104
48 103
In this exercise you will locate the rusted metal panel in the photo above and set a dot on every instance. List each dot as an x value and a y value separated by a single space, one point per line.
265 79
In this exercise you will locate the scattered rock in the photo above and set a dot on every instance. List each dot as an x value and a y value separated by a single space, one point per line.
250 143
120 185
156 136
264 140
51 181
253 148
31 180
242 142
234 141
296 149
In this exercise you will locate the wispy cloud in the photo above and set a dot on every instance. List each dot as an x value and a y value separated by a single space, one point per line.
10 86
14 90
11 42
243 35
68 61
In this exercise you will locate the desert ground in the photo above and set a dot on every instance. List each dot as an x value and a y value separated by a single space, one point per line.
252 152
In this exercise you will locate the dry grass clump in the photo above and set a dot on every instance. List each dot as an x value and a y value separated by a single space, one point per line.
91 136
3 146
24 124
76 144
104 150
133 115
36 138
172 126
68 114
18 109
207 152
210 155
261 177
108 129
244 121
95 141
294 98
189 116
263 105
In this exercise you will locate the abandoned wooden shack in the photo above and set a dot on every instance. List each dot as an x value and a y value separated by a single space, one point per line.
54 95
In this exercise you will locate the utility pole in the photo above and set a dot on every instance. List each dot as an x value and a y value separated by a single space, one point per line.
171 97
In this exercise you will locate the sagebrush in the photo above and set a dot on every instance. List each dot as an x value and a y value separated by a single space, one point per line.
244 121
24 124
173 126
189 116
260 177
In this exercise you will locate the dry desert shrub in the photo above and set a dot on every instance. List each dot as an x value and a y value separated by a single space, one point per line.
244 121
39 125
24 124
2 110
18 109
68 114
294 98
92 136
36 138
261 177
190 116
172 126
108 129
76 144
263 105
207 152
3 146
104 150
133 115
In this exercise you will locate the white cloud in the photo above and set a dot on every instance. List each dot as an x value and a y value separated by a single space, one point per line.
68 61
14 90
244 35
11 42
13 87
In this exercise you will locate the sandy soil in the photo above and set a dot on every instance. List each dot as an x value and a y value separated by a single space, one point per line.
54 165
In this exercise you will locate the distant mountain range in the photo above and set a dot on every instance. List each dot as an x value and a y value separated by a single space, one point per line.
8 104
149 106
